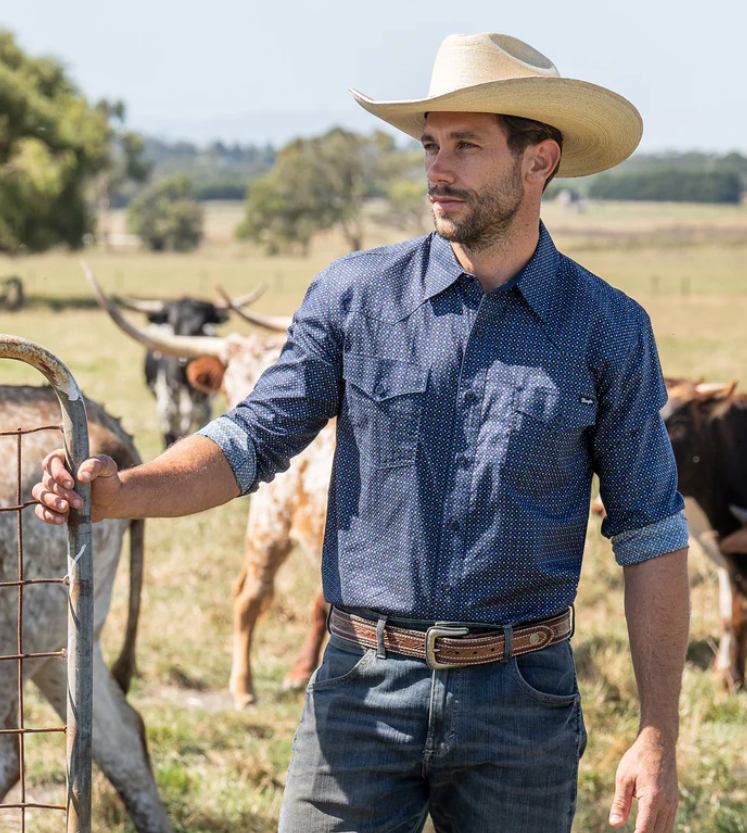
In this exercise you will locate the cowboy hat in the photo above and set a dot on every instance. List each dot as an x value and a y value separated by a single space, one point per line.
491 73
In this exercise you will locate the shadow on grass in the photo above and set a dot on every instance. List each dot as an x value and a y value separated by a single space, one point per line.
58 303
701 653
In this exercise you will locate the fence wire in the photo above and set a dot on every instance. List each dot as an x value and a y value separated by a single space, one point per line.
78 581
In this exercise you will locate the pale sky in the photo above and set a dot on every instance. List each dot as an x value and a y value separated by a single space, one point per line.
256 71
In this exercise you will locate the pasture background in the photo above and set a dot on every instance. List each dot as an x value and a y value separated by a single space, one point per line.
220 770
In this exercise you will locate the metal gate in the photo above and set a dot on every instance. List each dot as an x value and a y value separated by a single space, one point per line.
79 580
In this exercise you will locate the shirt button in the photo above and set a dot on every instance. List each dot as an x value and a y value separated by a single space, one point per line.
461 460
380 389
454 525
470 396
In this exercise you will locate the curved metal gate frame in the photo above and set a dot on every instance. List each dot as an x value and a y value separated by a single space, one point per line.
79 578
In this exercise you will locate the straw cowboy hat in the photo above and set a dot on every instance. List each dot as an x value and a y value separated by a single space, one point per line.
491 73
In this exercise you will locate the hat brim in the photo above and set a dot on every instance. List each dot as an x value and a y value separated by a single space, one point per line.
600 128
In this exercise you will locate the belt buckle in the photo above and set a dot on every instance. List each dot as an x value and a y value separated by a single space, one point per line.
431 635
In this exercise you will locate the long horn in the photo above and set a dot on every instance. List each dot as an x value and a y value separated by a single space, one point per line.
277 323
145 305
739 513
186 347
242 300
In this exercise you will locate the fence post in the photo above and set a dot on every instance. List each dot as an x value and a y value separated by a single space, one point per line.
80 573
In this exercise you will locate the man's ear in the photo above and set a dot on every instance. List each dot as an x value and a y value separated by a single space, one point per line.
542 160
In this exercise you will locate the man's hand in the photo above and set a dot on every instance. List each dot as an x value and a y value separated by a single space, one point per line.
648 772
657 611
190 476
55 492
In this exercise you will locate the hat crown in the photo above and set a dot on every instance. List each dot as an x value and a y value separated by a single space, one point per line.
466 60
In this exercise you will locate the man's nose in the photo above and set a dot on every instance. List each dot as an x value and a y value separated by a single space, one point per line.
439 170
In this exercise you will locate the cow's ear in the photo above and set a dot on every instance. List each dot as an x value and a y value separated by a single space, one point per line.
206 374
715 391
158 317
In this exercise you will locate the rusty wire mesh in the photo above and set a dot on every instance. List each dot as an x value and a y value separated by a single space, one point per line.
79 582
20 656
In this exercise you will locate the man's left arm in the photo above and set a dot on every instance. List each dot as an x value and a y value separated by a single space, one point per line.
657 611
638 484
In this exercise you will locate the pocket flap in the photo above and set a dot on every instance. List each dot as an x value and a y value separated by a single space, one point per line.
383 378
559 409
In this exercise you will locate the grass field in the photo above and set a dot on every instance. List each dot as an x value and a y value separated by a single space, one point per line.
222 771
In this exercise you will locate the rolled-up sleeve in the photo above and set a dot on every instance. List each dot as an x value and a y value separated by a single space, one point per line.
293 399
633 456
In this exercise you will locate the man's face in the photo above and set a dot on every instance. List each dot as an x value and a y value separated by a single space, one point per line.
475 184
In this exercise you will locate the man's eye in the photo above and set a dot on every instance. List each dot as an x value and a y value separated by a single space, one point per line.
466 145
430 147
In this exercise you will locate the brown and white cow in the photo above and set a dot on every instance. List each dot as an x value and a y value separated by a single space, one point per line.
708 430
119 746
291 510
699 416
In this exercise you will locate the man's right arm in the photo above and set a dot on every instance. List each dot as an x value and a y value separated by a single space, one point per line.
290 404
190 476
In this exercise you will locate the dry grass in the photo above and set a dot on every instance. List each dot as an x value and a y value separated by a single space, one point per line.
224 771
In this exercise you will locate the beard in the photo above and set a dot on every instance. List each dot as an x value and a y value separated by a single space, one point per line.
491 213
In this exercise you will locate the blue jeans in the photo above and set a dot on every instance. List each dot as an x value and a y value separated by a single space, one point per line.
383 741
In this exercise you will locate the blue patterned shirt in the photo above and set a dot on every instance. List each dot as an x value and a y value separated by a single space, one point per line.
469 425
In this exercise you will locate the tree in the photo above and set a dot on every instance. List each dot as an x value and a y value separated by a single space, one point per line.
276 219
125 162
166 216
52 145
318 183
407 206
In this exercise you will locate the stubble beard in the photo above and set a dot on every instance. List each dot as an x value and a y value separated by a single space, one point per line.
491 217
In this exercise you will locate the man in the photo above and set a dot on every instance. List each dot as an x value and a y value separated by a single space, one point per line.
478 378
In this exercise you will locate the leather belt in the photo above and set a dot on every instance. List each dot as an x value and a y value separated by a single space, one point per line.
450 646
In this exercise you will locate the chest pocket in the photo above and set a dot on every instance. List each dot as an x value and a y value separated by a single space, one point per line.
548 446
385 403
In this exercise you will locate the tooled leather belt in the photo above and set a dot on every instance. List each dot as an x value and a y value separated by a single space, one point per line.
447 646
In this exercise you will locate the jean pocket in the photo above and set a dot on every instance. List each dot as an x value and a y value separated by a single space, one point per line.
343 663
385 398
548 676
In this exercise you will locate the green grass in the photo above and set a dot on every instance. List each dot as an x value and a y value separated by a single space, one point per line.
219 770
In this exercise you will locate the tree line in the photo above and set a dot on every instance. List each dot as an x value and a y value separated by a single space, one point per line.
64 162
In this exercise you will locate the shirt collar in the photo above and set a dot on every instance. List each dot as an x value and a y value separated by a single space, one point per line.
443 267
537 281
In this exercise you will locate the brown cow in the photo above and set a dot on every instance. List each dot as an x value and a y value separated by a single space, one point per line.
288 511
708 431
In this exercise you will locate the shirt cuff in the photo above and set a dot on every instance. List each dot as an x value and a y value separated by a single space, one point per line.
636 545
238 449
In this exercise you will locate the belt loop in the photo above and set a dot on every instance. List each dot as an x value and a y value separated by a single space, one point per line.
508 642
328 622
380 646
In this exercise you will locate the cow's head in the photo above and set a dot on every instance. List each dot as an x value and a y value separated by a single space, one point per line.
189 317
689 424
236 360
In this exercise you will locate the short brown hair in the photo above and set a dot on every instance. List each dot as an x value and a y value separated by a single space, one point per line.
521 133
